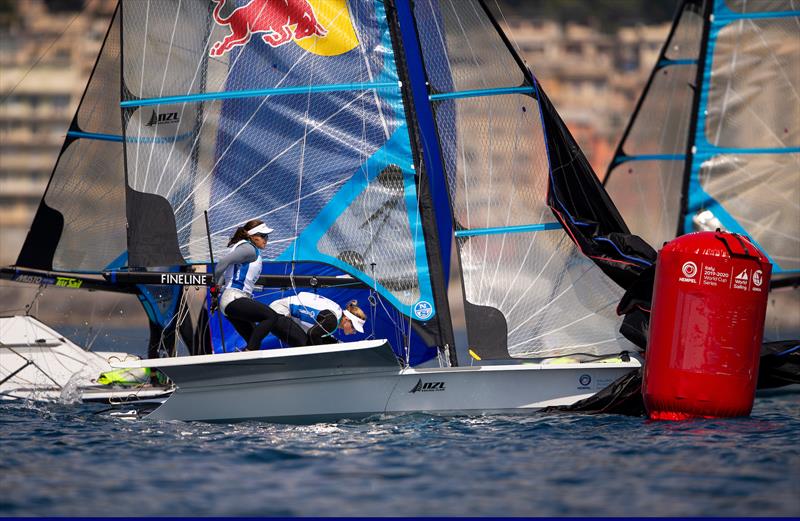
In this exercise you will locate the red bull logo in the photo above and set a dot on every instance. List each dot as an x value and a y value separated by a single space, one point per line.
277 22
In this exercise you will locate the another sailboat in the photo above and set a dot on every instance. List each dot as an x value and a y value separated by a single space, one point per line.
714 141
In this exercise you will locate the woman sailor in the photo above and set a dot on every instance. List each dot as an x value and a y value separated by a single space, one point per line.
239 270
319 317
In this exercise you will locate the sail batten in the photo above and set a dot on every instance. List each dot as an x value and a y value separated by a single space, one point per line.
281 91
509 229
475 93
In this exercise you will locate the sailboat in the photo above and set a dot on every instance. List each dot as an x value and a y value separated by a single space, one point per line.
371 135
714 141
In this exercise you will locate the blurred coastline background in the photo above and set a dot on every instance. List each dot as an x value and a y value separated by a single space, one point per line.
592 56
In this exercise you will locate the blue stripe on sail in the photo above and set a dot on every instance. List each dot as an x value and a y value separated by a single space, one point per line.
666 62
480 92
281 91
509 229
730 16
116 138
306 243
706 150
98 137
650 157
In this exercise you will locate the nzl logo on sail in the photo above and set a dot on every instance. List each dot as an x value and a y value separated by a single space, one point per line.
160 119
427 387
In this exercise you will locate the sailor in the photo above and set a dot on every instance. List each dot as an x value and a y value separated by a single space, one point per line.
320 317
239 270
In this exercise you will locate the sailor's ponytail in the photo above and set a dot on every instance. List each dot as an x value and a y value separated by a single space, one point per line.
241 232
353 308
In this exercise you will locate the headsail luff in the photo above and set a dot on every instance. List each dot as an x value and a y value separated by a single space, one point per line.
726 151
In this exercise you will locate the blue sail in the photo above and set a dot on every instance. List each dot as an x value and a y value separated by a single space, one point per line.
301 124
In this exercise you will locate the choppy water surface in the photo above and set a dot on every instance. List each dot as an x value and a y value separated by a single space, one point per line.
68 460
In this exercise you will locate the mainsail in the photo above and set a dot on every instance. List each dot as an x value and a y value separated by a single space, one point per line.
714 141
298 121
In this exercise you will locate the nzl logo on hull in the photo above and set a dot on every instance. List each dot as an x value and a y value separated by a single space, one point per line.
322 27
427 387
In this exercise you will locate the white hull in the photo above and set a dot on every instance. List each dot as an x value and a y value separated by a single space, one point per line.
325 383
37 363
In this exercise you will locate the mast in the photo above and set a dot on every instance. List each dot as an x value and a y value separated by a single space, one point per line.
691 148
434 200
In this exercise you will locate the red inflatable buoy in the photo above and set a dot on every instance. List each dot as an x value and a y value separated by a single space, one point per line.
706 327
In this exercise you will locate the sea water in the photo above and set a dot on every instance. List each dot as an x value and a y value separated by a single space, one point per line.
80 460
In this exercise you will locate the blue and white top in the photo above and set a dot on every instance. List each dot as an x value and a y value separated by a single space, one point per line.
304 307
238 271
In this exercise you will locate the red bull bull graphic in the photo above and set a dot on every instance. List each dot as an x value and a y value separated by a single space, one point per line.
280 21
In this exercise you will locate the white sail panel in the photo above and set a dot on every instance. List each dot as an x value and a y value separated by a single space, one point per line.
468 52
754 86
685 42
760 6
555 300
499 161
662 127
649 195
762 194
